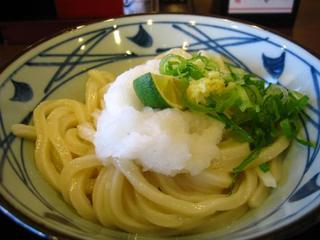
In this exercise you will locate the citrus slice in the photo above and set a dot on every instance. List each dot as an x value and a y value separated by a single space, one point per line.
158 91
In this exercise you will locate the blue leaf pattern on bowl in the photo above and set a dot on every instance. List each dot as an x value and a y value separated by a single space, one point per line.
22 91
142 38
307 189
274 66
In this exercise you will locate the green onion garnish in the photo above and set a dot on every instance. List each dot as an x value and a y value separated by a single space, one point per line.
252 156
255 111
264 167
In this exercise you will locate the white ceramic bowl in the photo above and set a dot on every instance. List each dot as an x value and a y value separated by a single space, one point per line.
57 68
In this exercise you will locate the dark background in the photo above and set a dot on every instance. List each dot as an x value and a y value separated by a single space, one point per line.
24 22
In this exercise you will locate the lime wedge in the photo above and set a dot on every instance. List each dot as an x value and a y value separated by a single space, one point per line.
158 91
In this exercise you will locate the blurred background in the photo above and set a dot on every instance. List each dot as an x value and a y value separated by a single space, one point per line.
23 23
59 14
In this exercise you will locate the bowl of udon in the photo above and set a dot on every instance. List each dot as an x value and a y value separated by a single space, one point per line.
161 127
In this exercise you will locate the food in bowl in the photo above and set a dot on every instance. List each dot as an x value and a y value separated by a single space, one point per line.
184 143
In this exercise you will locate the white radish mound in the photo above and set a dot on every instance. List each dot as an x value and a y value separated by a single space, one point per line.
166 141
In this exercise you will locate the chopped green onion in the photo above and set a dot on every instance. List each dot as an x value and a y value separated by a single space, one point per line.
236 128
235 177
305 143
245 101
252 156
193 68
257 111
287 128
264 167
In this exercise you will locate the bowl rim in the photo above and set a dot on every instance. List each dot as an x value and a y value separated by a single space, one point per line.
291 229
95 21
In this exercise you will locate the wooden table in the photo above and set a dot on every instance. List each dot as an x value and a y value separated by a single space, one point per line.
305 32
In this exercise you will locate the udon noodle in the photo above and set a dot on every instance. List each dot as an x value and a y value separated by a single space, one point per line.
121 194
